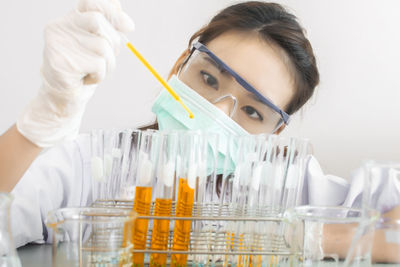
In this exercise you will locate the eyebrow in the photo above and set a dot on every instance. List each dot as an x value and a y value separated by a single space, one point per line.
224 72
256 98
219 67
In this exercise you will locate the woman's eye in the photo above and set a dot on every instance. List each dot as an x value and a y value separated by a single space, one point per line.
209 80
252 113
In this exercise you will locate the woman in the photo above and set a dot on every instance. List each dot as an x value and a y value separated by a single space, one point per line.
252 63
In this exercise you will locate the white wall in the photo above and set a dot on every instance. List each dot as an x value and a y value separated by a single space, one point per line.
354 116
356 112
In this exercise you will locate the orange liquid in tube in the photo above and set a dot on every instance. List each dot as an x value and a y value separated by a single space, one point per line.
160 235
182 227
141 205
126 258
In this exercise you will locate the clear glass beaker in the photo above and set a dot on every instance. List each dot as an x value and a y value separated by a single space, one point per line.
337 236
383 183
386 247
8 254
91 236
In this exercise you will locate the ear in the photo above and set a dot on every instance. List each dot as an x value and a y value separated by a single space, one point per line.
280 129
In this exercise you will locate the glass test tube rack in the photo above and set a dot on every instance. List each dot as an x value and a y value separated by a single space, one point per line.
226 236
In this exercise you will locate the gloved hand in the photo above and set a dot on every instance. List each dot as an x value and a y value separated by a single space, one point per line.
80 50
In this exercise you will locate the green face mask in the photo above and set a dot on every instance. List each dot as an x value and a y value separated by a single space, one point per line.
171 116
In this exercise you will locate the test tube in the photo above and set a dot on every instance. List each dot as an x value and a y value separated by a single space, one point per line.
227 207
246 193
261 149
97 166
129 165
205 198
276 168
286 166
113 156
124 160
273 185
268 176
240 149
164 194
187 171
103 150
245 189
147 160
297 153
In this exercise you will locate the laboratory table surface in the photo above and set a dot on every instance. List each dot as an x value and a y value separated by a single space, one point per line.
40 255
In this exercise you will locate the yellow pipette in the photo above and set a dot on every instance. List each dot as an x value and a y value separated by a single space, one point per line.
158 77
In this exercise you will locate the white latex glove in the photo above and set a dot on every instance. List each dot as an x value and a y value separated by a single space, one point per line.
324 189
80 50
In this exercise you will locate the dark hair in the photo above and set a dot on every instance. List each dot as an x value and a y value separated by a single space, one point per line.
275 25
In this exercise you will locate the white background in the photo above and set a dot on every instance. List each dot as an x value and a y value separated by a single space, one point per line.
354 115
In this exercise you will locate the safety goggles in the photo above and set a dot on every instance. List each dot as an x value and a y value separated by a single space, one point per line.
210 77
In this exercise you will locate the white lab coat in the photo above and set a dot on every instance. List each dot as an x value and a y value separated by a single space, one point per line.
61 177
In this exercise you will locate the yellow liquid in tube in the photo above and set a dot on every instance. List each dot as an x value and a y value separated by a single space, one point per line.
141 205
159 239
127 239
230 237
182 227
